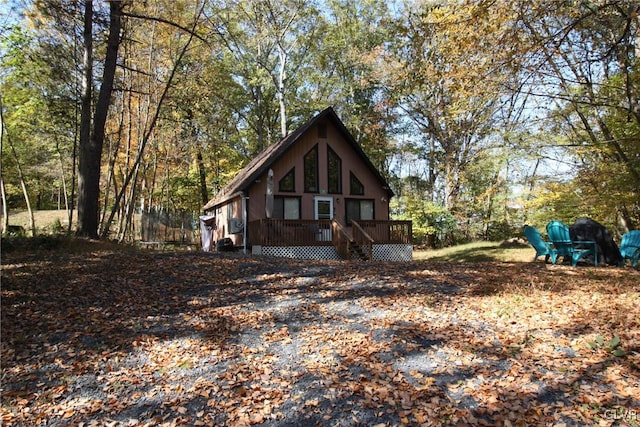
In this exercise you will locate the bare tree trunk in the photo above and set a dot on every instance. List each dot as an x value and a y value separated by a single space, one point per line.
130 223
529 188
74 156
23 184
114 147
84 206
282 78
491 193
154 182
5 210
74 161
259 99
63 178
149 132
450 184
129 208
202 173
432 170
139 117
625 219
203 178
91 149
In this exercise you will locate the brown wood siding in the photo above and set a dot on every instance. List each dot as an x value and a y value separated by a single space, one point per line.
223 218
351 162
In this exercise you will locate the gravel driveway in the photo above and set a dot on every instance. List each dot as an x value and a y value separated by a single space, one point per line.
204 339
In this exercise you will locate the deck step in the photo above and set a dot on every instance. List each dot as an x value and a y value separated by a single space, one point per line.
358 253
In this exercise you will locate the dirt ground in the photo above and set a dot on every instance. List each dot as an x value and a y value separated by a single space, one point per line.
99 335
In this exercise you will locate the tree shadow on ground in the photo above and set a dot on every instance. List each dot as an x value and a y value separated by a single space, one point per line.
226 337
482 253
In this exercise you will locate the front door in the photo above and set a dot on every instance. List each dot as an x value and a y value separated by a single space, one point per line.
323 209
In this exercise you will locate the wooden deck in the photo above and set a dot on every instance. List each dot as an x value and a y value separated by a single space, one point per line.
354 242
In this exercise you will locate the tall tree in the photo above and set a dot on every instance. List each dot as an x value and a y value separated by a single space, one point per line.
268 45
90 160
352 58
148 130
452 83
38 84
584 59
21 176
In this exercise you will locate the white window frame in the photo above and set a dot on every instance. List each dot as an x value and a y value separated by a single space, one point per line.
318 199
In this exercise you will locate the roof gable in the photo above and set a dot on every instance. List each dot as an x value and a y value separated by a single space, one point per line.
262 162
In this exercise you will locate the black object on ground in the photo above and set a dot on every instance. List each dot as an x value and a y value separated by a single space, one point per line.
588 229
226 245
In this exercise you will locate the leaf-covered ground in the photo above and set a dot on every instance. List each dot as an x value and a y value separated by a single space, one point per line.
118 338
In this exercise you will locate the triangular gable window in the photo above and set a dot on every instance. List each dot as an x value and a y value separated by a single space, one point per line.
356 187
334 171
311 171
288 182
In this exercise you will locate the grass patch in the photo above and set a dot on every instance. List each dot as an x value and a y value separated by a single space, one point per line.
477 252
44 219
58 243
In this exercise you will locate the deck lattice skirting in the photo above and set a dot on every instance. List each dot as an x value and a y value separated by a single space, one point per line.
381 252
392 252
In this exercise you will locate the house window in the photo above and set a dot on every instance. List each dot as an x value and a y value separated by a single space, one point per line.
355 186
311 171
322 130
359 209
334 171
288 182
230 219
286 207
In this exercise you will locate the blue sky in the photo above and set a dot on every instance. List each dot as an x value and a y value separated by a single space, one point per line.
10 11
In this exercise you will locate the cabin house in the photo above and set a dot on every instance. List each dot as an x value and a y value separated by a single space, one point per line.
313 195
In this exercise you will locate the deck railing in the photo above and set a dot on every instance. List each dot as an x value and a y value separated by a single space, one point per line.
341 240
362 239
290 232
387 231
294 232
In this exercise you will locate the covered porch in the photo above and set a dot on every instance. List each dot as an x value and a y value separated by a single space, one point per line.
328 239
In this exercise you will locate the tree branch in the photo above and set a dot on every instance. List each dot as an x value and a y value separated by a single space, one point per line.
190 31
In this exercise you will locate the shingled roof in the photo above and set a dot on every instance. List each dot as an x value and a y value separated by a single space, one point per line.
261 163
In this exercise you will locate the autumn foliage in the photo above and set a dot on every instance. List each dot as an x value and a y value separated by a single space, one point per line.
113 337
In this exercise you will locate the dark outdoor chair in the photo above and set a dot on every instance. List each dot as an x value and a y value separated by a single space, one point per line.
589 229
630 247
558 233
224 245
542 248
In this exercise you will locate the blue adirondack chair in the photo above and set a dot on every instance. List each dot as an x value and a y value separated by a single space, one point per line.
542 248
558 233
630 247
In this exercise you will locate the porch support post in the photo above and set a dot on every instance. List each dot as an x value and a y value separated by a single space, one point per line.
244 223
